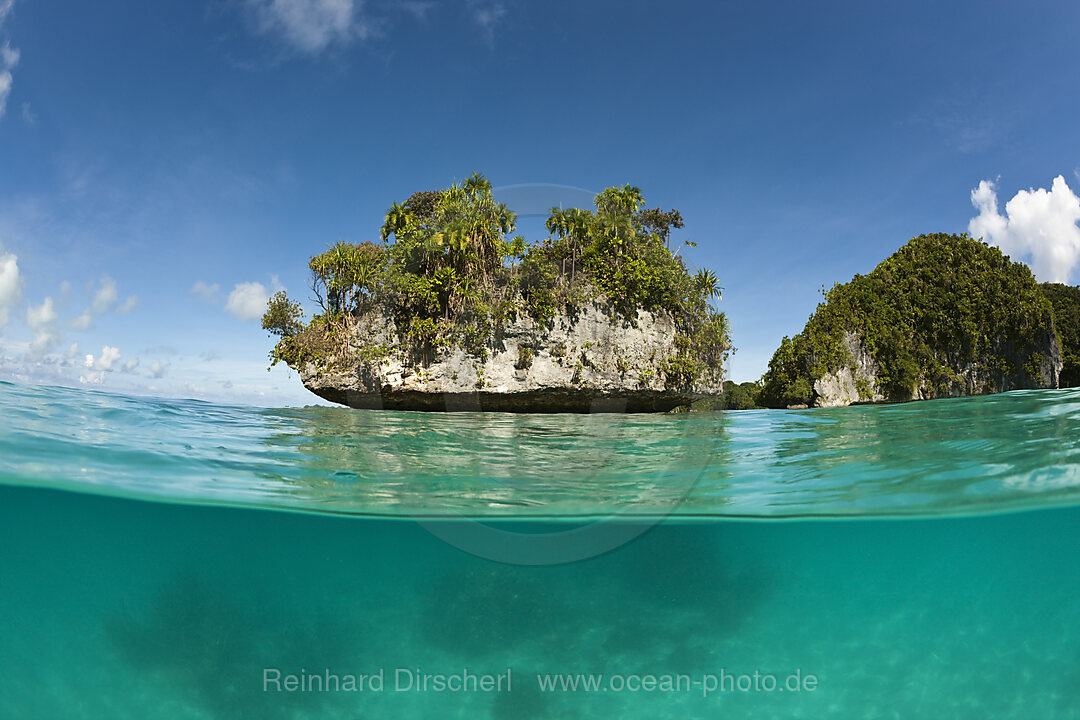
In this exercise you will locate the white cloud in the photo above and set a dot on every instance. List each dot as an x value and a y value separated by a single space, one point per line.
42 316
157 370
248 301
42 321
207 293
10 286
83 322
5 89
130 304
310 25
5 8
104 362
1039 227
9 58
105 297
130 365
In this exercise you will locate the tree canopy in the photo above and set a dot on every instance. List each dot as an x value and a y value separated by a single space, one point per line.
451 271
1066 302
938 303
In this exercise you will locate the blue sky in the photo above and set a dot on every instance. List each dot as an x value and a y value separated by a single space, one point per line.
159 159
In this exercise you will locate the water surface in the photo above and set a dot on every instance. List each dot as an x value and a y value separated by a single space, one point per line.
917 561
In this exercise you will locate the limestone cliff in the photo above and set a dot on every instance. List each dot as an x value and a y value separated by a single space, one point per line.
452 311
594 361
857 381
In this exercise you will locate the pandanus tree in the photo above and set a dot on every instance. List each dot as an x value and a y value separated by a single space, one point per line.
573 227
477 226
461 229
708 285
343 276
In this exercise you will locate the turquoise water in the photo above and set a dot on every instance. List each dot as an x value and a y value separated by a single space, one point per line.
898 562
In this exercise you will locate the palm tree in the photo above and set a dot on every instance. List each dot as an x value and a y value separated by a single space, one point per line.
397 219
620 201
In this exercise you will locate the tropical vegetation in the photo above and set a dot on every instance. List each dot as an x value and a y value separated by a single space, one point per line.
939 303
451 272
1066 302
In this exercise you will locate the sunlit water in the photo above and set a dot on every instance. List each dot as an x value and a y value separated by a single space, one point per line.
918 560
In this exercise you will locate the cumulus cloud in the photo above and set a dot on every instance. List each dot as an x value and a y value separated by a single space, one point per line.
130 365
206 293
42 321
1039 227
157 370
310 25
109 357
105 297
83 322
10 286
104 300
248 300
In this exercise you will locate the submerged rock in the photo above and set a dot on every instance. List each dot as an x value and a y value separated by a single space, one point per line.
594 361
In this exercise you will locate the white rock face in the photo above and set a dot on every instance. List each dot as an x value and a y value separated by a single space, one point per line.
841 387
590 363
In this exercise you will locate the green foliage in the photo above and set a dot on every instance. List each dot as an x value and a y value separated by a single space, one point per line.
346 275
282 317
742 396
787 381
661 223
451 276
1066 302
939 303
707 284
525 357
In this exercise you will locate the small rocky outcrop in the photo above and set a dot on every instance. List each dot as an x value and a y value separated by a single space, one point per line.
452 311
594 361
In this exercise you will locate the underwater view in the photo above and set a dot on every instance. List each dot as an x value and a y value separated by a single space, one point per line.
183 559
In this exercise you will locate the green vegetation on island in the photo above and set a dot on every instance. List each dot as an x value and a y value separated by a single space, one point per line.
1066 302
940 311
450 273
741 396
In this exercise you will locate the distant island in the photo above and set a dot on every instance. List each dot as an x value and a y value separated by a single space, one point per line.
450 311
945 316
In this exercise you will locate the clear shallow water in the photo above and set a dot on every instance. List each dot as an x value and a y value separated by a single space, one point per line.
132 585
985 454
